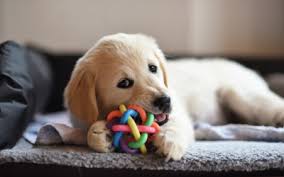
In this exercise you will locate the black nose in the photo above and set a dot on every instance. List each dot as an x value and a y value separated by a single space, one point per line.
163 103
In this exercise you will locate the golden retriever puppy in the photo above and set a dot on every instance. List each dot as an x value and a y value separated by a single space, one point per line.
131 69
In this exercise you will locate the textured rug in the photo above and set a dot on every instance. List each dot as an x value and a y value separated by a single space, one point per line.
202 156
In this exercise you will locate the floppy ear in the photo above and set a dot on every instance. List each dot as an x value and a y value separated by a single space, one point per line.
80 94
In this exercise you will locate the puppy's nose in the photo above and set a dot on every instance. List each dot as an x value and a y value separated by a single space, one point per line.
163 103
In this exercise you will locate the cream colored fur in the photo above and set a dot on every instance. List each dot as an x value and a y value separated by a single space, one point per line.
198 88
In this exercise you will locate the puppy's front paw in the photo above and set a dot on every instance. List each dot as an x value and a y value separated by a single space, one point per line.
99 137
169 144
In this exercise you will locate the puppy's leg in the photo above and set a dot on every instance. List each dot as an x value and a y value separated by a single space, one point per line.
99 137
255 106
175 137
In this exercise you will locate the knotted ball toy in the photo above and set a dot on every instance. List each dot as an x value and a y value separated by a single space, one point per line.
132 128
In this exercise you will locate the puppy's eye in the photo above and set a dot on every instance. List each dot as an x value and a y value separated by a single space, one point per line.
125 83
152 68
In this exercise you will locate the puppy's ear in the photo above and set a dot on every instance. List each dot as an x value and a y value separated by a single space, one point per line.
80 94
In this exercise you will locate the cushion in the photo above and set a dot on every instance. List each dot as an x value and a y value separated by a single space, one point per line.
24 86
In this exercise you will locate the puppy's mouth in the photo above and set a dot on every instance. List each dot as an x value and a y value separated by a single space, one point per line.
162 118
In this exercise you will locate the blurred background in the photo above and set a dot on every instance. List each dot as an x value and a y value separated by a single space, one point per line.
181 27
250 32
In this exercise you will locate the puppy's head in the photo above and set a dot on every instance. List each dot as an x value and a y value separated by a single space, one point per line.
120 68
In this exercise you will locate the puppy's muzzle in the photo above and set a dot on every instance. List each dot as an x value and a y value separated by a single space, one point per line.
163 103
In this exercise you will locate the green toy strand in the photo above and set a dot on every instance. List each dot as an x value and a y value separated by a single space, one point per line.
150 119
144 136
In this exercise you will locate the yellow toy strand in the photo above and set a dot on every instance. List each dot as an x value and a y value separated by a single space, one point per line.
134 128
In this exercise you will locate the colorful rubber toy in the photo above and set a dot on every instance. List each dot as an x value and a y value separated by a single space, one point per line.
128 136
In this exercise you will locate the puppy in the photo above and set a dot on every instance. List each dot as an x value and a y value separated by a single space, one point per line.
131 69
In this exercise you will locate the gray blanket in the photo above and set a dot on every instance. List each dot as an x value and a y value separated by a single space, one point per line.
56 129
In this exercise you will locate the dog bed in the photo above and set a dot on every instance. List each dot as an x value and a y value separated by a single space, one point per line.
204 157
217 156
